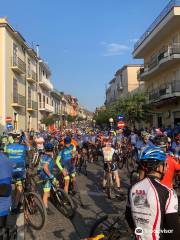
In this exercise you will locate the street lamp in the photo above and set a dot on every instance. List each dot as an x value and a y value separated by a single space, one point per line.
111 121
94 123
15 121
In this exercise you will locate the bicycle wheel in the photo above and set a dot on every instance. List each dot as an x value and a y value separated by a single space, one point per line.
63 203
107 228
120 162
109 186
34 210
99 226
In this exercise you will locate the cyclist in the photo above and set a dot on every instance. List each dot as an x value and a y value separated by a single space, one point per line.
5 188
172 165
46 166
108 153
175 146
152 209
66 164
17 154
39 140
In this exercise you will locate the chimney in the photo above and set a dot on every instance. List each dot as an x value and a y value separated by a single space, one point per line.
37 50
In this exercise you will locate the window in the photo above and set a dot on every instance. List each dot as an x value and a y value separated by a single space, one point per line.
15 90
15 49
29 67
29 97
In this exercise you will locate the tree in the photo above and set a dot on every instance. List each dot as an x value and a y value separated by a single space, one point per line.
133 107
49 120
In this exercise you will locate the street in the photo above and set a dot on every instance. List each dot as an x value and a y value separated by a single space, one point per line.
95 204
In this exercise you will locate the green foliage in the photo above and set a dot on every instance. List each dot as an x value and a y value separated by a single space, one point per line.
133 107
51 119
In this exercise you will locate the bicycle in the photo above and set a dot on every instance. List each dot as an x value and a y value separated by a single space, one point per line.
110 230
36 158
126 158
34 209
62 201
82 162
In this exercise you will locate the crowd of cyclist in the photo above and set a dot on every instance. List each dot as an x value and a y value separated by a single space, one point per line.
152 201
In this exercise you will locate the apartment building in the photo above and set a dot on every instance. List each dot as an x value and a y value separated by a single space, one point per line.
159 46
124 82
24 81
45 100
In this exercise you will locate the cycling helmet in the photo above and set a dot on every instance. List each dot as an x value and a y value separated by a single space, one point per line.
145 134
153 153
160 141
151 158
67 140
48 147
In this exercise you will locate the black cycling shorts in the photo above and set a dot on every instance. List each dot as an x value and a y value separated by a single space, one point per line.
113 166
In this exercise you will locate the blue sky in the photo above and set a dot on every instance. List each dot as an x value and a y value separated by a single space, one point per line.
83 41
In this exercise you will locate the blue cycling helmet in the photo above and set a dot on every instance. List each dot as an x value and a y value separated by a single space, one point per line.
48 147
67 140
153 153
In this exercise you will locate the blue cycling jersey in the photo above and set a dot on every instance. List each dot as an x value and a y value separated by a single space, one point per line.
45 159
5 178
17 155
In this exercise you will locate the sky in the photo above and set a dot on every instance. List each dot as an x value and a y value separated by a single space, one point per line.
84 41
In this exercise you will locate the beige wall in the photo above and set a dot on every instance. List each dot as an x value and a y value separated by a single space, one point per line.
133 83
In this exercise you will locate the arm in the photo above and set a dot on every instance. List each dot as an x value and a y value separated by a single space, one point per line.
46 169
58 162
171 216
176 165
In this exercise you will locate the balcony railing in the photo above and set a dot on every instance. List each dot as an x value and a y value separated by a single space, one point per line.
18 65
32 105
157 21
45 107
167 55
46 83
31 76
19 100
162 92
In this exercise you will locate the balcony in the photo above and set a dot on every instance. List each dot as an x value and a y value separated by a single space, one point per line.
172 91
165 59
32 106
157 21
31 77
45 83
44 107
18 101
18 65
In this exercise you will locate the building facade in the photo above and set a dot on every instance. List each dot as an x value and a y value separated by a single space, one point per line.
160 48
23 80
124 82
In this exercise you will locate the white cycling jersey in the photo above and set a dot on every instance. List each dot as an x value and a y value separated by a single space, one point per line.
150 202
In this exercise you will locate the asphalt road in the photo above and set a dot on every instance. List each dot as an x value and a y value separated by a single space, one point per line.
95 204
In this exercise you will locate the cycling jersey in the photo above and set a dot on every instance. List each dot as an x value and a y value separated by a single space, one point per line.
39 142
17 155
64 159
108 153
5 184
151 208
45 159
172 166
